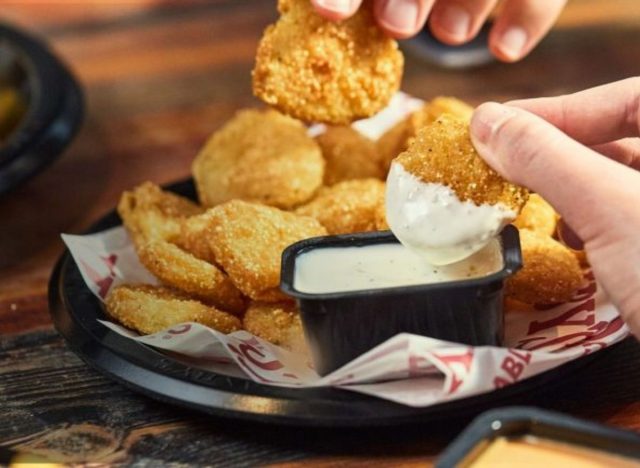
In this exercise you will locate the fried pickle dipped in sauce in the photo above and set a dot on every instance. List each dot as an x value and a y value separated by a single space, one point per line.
550 274
317 70
396 140
442 200
346 207
150 309
261 156
248 240
348 155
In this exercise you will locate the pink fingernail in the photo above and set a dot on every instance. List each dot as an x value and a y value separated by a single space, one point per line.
400 15
513 42
486 121
338 6
455 20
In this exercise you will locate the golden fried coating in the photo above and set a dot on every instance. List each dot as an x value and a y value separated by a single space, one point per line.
150 309
278 323
349 155
194 236
537 215
182 271
346 207
396 140
261 156
380 217
442 153
248 240
323 71
148 212
551 273
513 305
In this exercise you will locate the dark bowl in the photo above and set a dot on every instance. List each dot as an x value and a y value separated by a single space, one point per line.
341 326
48 112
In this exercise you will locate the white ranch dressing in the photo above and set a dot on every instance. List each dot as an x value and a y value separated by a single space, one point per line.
340 269
431 220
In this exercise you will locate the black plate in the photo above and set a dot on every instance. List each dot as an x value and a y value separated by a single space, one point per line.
75 311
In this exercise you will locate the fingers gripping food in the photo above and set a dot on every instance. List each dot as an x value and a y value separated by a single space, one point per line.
346 207
348 155
248 240
442 199
148 212
396 139
317 70
150 309
261 156
181 270
279 323
550 274
537 215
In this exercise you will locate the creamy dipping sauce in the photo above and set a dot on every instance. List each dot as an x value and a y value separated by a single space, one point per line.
340 269
431 220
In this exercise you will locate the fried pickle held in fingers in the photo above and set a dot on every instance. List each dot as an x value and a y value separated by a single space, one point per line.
346 207
248 241
261 156
318 70
348 155
148 212
550 274
150 309
179 269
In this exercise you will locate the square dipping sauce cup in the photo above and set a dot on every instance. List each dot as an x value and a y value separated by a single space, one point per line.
340 326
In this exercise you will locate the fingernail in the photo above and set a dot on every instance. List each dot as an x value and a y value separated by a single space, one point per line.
486 121
339 6
400 15
455 20
513 41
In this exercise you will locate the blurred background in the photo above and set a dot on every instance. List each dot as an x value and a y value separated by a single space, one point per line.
159 76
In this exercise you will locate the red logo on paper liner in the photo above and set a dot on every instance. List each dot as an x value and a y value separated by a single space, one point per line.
458 366
513 365
103 283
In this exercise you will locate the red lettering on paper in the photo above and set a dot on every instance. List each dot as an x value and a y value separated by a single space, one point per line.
565 318
514 365
180 330
449 360
249 352
102 282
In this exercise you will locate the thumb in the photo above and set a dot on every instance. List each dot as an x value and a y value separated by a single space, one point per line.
596 196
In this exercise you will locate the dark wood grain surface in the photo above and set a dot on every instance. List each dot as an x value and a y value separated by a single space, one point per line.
160 76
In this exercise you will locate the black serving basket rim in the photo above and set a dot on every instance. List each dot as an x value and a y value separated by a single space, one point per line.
509 243
74 311
515 421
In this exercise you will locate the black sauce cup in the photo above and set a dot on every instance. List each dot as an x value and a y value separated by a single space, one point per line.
340 326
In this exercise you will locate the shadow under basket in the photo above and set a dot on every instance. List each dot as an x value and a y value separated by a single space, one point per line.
340 326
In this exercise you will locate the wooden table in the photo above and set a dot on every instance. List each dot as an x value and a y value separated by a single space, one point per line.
159 77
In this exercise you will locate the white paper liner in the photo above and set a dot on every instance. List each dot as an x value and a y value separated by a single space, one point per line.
408 369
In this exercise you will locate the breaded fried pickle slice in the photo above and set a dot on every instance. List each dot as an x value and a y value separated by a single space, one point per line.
349 155
179 269
537 215
396 140
248 240
346 207
317 70
150 309
442 153
550 274
148 212
261 156
274 322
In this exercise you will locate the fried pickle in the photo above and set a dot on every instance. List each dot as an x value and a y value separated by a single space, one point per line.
348 155
179 269
537 215
550 274
380 217
278 323
318 70
194 236
442 153
261 156
150 309
346 207
248 240
148 212
396 140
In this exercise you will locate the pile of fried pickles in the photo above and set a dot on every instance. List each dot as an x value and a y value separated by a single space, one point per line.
263 183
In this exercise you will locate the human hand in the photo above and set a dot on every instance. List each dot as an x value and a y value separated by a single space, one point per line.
520 25
581 152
